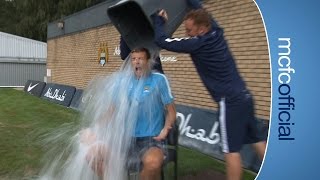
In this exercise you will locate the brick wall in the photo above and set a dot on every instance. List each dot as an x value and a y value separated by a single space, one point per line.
73 58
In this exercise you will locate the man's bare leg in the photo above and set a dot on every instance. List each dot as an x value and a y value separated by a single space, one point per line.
152 163
96 157
233 166
260 148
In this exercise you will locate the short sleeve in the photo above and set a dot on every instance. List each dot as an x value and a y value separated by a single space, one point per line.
165 90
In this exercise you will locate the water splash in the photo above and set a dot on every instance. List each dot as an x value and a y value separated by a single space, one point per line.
97 147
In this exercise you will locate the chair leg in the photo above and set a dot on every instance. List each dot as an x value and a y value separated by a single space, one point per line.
162 174
175 170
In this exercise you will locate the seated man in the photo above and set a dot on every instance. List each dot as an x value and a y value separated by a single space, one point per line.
151 94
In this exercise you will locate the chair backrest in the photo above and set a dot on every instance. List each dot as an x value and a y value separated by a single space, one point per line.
172 155
173 135
172 141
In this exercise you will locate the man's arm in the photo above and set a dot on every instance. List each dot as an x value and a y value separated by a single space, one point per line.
124 49
170 120
170 116
194 4
183 45
167 100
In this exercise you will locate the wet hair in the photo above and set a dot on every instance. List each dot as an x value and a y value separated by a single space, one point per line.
200 17
142 49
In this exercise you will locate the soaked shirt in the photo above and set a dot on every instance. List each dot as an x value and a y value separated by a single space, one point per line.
151 95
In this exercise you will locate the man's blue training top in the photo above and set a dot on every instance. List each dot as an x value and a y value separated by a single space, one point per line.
151 94
211 56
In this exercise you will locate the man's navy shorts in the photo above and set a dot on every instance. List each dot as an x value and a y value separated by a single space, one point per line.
238 125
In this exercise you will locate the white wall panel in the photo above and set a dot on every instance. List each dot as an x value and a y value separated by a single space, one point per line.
12 46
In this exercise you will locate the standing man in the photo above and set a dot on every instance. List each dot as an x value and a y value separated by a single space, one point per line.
216 66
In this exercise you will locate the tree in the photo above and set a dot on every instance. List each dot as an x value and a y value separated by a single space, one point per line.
30 18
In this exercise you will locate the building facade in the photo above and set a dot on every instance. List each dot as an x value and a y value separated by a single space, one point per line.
75 44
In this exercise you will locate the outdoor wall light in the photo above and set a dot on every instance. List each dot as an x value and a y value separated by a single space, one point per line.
60 24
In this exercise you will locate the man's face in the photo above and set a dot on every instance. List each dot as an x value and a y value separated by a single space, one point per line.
139 63
191 29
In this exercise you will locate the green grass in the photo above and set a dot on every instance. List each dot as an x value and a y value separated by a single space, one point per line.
191 163
24 118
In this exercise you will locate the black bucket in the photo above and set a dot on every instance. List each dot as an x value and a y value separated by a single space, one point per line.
132 19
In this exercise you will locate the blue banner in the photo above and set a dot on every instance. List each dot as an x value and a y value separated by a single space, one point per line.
199 129
34 87
58 93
